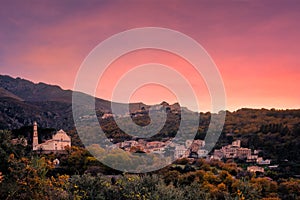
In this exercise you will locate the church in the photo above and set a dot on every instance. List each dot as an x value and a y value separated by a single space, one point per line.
58 142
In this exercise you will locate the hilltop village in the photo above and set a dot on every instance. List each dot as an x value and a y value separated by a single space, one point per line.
227 168
191 149
194 149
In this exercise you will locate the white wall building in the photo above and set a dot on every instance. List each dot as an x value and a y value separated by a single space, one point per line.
58 142
181 152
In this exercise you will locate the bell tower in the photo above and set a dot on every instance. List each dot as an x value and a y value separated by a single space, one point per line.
35 140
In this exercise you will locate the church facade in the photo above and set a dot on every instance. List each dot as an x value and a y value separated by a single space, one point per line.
58 142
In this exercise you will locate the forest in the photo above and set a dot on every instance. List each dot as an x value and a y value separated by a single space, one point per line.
79 175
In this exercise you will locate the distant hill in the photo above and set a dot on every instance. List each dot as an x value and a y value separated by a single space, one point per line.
5 93
22 102
31 92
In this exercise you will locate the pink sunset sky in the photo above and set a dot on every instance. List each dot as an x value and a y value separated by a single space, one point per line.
255 44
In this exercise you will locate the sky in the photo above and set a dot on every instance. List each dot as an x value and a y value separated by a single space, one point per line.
254 44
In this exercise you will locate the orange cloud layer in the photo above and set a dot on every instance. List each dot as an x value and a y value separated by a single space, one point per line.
254 44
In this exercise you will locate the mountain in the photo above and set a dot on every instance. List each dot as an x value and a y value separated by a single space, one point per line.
5 93
22 102
31 92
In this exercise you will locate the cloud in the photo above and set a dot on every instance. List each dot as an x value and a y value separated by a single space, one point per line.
254 44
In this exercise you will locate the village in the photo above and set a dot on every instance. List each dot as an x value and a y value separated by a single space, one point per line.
190 149
194 149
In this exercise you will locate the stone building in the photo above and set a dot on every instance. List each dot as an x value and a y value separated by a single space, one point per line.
255 169
58 142
181 152
243 153
233 150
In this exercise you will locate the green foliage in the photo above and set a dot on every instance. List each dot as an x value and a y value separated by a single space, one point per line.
7 148
276 133
29 178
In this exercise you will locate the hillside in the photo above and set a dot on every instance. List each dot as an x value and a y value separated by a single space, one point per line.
277 132
5 93
31 92
22 102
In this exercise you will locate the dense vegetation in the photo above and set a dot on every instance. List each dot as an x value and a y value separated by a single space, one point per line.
275 132
80 176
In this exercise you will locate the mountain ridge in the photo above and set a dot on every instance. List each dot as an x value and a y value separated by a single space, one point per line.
22 102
